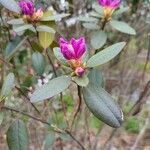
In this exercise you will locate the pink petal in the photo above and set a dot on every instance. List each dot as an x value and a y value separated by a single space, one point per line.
79 46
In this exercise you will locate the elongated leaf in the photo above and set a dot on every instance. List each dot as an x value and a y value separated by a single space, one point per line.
87 19
122 27
95 14
38 63
16 21
59 56
120 11
13 46
44 28
102 105
11 5
1 117
82 81
98 39
96 77
54 17
46 39
17 136
99 9
91 26
105 55
8 85
51 89
23 28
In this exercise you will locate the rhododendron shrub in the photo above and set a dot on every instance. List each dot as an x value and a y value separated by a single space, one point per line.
55 61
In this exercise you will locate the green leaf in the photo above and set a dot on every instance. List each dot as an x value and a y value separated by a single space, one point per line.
120 11
11 5
45 39
8 85
96 78
95 14
98 39
16 21
48 142
17 136
122 27
23 28
44 28
13 46
1 117
91 26
87 19
99 9
36 47
52 88
105 55
102 105
52 17
59 56
81 81
38 63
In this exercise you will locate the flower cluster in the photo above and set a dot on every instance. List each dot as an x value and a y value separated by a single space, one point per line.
29 11
109 7
73 51
113 4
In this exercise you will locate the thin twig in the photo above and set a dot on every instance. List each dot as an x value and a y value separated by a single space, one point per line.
28 99
69 133
55 128
51 62
23 113
78 107
64 109
141 134
147 59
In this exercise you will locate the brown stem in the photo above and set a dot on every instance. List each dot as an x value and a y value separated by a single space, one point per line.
69 133
28 99
78 107
51 62
147 59
55 128
64 109
23 113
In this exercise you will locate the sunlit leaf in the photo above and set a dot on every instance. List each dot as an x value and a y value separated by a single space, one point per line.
44 28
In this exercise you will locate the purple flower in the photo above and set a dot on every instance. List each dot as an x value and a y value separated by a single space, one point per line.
73 49
27 7
113 4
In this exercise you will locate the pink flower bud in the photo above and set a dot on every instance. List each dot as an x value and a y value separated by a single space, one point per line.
79 71
27 7
113 4
73 49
